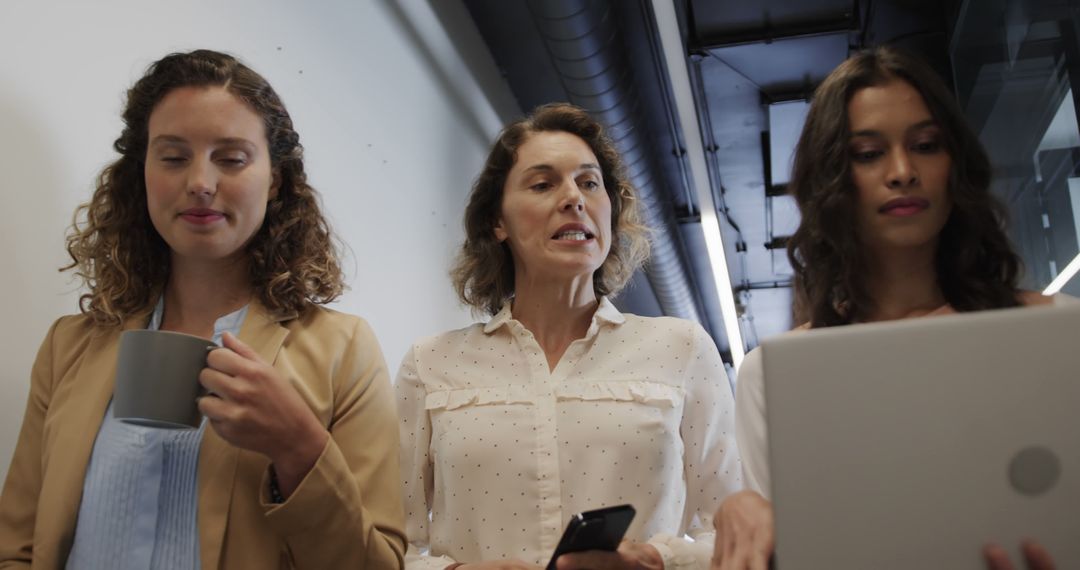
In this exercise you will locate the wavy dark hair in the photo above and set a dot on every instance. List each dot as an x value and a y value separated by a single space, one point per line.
124 262
976 265
483 274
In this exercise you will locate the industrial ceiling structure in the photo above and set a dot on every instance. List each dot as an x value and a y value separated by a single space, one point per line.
751 68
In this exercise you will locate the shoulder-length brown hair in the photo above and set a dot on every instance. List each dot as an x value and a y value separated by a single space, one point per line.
483 274
976 266
121 258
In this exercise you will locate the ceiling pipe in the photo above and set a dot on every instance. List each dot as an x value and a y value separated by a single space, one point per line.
679 75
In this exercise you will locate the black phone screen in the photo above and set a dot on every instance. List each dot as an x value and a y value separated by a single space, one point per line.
602 529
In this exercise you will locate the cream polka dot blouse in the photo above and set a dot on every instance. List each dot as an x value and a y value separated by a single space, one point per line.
498 452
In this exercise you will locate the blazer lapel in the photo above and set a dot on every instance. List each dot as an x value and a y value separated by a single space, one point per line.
86 399
217 458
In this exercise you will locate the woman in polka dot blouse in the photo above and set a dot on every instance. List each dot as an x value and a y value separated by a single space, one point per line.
560 403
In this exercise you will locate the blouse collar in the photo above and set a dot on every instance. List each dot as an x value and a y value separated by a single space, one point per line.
606 313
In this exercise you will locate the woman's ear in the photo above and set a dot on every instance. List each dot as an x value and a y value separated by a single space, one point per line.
500 231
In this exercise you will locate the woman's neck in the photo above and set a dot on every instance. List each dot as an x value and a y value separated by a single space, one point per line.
556 312
198 294
903 284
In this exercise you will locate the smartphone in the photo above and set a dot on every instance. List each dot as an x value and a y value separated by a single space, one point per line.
602 529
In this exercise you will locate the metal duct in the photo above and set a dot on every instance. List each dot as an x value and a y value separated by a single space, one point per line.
582 38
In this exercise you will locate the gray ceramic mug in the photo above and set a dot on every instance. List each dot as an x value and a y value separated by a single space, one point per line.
157 378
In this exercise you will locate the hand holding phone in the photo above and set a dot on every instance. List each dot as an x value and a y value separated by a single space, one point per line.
601 529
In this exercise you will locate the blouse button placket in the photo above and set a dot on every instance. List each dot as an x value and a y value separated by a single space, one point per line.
549 485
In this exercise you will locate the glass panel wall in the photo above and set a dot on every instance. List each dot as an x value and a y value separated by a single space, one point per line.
1016 66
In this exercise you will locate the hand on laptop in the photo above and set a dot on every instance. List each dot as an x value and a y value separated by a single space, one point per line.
744 532
1035 557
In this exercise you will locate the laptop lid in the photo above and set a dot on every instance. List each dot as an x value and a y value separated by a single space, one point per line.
911 444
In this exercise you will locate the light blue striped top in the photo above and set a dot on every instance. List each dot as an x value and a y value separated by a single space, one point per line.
139 505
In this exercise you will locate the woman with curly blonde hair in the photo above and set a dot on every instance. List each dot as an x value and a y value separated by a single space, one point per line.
206 225
560 403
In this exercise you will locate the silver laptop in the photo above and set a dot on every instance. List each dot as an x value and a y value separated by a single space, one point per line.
913 443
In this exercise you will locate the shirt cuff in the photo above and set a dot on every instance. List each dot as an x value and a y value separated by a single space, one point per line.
316 494
681 554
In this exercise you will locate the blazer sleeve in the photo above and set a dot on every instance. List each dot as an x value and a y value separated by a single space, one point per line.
712 468
18 502
346 512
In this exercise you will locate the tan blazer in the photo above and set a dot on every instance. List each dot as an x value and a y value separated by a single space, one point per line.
346 513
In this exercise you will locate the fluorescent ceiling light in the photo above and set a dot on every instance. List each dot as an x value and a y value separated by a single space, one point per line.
1063 277
674 54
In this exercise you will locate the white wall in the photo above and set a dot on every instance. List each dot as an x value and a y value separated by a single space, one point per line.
394 134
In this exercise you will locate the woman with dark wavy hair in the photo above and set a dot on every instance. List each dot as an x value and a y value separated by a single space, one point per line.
206 225
974 265
560 403
897 222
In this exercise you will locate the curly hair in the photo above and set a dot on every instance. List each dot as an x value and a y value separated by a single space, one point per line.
483 274
124 262
975 263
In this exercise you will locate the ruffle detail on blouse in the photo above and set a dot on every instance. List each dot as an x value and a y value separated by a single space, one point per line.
644 392
453 399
